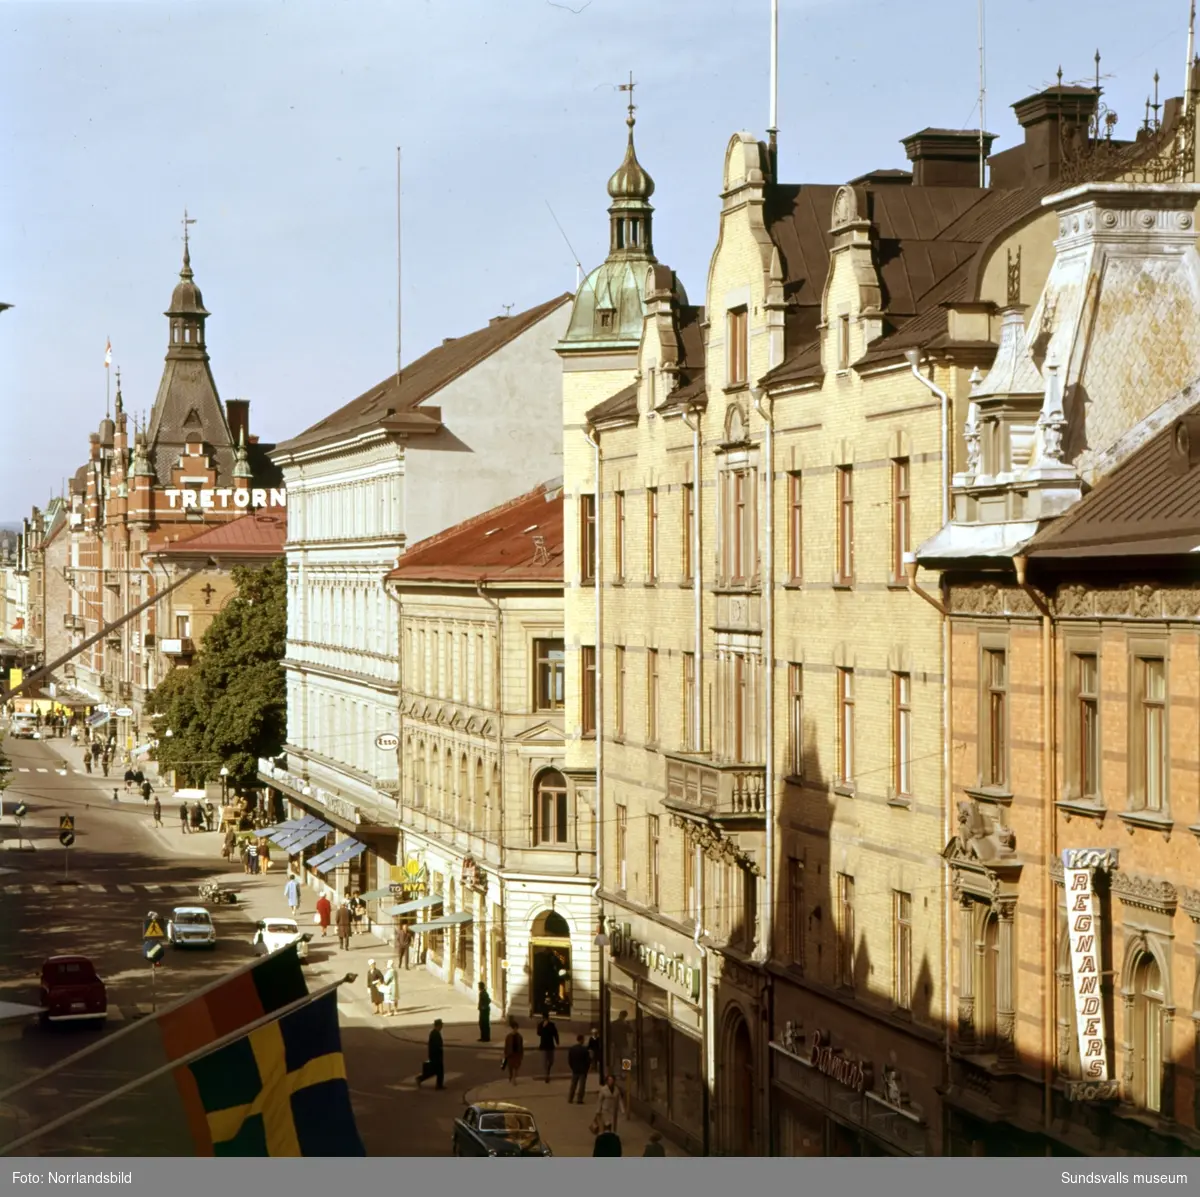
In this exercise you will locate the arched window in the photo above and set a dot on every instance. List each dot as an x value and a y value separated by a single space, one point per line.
418 767
479 798
1147 1038
464 804
550 808
987 972
494 795
447 800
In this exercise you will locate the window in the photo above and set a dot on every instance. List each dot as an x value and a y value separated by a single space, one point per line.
550 668
845 692
995 738
619 692
902 734
436 665
587 539
796 720
619 535
1148 1011
690 896
987 980
653 860
1087 726
550 808
795 927
480 697
902 950
845 524
901 516
688 530
652 534
689 702
845 930
183 627
464 652
741 695
1150 732
587 698
622 847
652 696
843 341
795 527
738 333
739 550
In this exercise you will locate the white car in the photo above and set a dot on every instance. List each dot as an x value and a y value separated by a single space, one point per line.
23 727
191 927
272 934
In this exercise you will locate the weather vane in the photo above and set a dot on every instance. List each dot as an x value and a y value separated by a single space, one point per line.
629 88
186 221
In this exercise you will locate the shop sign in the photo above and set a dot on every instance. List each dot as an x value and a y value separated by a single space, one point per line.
225 497
338 806
473 876
673 967
830 1062
1084 934
409 878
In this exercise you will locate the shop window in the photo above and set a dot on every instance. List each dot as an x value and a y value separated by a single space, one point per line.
550 669
550 808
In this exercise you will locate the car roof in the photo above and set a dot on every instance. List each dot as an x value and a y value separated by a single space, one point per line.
280 918
190 910
67 960
499 1107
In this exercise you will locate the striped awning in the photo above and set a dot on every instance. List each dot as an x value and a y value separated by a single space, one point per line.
459 919
350 849
373 895
325 854
285 839
416 904
290 825
310 836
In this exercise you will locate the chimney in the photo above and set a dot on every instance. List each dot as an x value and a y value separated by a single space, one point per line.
237 414
1050 118
496 320
946 157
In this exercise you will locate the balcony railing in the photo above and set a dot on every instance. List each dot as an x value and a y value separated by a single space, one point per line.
72 622
720 790
180 646
112 579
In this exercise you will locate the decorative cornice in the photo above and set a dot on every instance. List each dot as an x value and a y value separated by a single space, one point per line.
1146 892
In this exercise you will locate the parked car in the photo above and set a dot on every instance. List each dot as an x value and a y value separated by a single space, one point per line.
72 991
23 726
497 1128
272 934
191 927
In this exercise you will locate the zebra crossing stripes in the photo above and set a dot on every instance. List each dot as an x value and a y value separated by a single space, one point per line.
177 887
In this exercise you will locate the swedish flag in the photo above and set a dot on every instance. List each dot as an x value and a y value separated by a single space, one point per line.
281 1090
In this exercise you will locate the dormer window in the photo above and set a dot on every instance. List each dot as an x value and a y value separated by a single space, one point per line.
606 319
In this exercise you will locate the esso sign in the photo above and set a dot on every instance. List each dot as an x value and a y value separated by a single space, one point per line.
387 742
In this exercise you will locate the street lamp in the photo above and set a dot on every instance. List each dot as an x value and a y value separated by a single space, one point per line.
224 786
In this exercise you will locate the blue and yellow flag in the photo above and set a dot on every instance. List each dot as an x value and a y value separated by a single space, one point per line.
281 1090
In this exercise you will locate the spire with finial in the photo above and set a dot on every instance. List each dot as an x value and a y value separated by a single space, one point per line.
120 405
241 465
630 188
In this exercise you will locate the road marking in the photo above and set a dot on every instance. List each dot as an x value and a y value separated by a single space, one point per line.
116 1014
182 887
97 889
152 889
40 889
125 889
22 769
61 772
43 770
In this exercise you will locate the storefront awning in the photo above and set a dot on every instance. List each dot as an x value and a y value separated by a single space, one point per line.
416 904
373 895
352 848
142 749
289 830
311 836
447 921
98 720
290 825
328 853
288 839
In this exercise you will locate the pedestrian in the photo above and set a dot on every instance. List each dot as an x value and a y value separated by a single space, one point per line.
323 913
157 809
608 1143
183 816
105 763
579 1060
128 772
197 817
593 1046
609 1106
264 856
547 1032
138 777
343 925
389 989
230 843
514 1051
435 1065
655 1146
74 735
96 750
146 791
210 815
291 892
251 857
375 986
485 1014
403 944
87 764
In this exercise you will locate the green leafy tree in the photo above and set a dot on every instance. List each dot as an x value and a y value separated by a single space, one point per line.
230 708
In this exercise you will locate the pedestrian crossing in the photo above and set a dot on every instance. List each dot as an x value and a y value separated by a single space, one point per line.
61 771
144 887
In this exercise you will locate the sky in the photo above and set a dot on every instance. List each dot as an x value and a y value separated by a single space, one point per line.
276 124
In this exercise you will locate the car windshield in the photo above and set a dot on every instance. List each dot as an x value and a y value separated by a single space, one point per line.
195 918
73 972
281 928
508 1124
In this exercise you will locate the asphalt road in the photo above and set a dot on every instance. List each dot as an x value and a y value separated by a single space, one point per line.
93 897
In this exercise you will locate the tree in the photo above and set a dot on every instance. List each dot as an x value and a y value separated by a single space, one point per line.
230 708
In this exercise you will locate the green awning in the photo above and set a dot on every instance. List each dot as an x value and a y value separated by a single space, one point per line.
372 894
416 904
460 919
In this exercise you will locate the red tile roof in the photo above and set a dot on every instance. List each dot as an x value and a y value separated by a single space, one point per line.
519 541
250 537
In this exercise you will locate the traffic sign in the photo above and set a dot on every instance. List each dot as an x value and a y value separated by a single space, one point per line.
123 712
153 928
21 811
66 823
153 950
386 741
626 1065
66 838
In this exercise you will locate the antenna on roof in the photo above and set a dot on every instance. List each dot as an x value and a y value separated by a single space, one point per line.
773 127
578 264
399 290
982 98
1191 58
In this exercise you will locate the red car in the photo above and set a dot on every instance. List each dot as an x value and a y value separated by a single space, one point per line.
72 991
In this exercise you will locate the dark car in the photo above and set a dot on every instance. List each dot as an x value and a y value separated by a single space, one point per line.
497 1128
72 991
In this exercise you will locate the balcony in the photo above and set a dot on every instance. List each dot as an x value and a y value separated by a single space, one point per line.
178 647
125 691
72 622
112 579
725 792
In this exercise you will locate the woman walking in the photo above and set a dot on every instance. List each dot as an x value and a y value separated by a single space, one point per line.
514 1051
389 989
323 912
375 986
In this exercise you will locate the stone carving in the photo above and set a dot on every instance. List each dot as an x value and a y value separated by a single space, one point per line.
845 207
790 1040
1019 603
972 436
1146 892
991 600
1112 602
966 1019
893 1090
1145 602
714 845
1184 604
1006 1030
1073 599
1052 420
980 838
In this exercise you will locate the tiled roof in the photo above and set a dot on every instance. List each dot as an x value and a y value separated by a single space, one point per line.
519 541
258 535
389 401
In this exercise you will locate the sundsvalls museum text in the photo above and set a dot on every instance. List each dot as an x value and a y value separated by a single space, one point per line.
72 1178
1126 1178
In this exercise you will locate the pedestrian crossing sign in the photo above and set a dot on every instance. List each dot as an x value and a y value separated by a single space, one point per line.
66 823
153 929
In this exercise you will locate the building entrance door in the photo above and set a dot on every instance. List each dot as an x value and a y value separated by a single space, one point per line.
550 965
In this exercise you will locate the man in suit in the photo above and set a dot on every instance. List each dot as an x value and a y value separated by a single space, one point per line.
435 1064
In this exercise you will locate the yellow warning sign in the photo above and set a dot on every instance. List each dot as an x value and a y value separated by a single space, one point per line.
154 930
66 823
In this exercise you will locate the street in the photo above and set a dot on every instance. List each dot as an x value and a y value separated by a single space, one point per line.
119 869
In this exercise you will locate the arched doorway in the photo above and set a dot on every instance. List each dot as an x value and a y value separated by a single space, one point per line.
737 1088
550 965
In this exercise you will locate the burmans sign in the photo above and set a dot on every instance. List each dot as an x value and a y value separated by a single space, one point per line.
674 968
226 497
1083 932
830 1062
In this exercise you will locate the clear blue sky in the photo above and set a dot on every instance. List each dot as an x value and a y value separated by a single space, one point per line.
276 124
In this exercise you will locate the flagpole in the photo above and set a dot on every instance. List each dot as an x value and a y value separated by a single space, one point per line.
182 1062
130 1027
